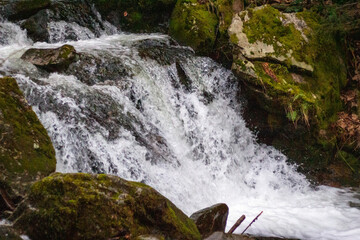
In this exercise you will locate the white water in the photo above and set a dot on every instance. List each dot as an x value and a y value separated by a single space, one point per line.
193 152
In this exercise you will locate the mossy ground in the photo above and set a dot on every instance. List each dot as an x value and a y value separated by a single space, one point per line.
85 206
26 152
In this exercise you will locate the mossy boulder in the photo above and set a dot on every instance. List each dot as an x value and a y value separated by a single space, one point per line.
89 206
201 24
294 69
282 55
26 152
52 60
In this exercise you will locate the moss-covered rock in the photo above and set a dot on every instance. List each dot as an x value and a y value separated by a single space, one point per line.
202 25
57 59
26 152
281 59
283 55
195 25
85 206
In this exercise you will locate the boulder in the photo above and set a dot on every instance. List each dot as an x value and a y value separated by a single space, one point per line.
51 60
202 25
21 9
136 16
280 56
26 152
55 20
89 206
293 88
278 37
211 219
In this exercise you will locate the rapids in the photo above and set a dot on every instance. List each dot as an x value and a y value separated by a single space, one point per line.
143 108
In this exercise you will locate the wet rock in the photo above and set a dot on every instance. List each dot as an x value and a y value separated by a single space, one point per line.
211 219
91 69
223 236
37 26
22 9
52 60
26 152
88 206
55 20
136 16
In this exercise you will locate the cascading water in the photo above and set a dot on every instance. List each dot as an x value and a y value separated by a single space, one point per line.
144 109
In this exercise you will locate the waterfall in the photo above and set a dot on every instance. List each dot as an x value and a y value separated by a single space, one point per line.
145 109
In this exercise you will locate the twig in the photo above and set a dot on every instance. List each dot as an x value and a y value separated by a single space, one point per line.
252 222
237 224
7 200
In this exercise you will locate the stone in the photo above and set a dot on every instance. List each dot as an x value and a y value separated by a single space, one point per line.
90 206
52 60
20 163
281 35
136 16
211 219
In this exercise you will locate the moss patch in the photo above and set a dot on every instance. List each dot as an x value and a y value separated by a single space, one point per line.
26 152
193 24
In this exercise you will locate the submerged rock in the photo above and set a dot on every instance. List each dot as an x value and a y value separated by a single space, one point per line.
88 206
52 60
211 219
26 152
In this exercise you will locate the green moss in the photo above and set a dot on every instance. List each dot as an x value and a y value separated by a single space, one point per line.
181 222
318 96
194 25
26 150
266 26
234 39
